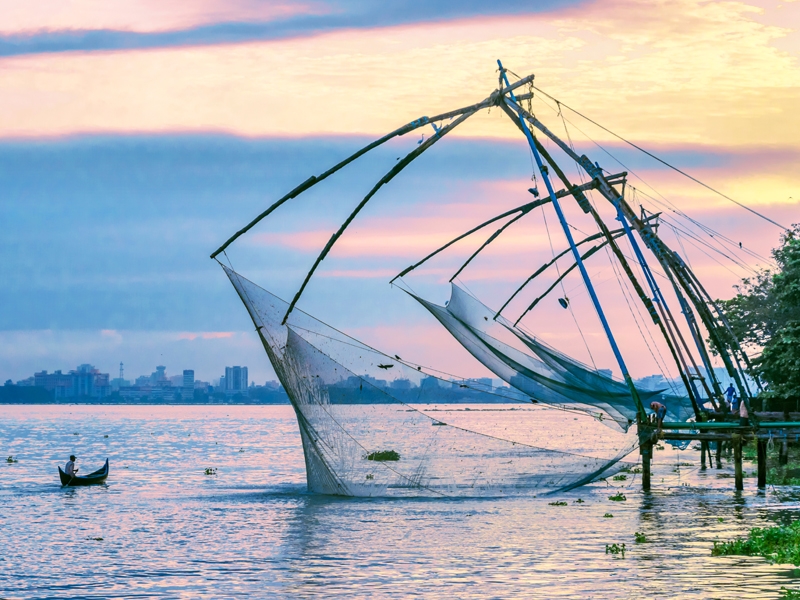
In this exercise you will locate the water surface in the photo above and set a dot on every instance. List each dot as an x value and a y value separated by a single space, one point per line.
168 530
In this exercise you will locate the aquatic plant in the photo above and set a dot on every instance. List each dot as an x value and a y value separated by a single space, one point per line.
787 594
639 537
780 476
616 549
210 471
557 503
578 501
105 436
370 476
620 477
11 459
95 539
780 544
608 516
618 497
383 455
720 519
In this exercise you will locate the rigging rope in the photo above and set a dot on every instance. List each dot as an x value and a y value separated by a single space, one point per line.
665 163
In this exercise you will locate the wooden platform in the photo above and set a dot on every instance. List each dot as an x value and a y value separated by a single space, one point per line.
721 432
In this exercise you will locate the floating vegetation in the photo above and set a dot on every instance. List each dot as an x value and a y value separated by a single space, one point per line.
608 516
557 503
617 549
620 477
95 539
241 449
11 459
74 433
618 497
720 520
639 537
210 471
787 594
383 455
370 476
660 447
780 544
578 501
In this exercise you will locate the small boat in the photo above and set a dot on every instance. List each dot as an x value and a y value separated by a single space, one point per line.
98 476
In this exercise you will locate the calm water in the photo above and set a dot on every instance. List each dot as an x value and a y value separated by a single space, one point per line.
170 531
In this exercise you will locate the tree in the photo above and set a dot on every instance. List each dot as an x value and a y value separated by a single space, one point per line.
765 314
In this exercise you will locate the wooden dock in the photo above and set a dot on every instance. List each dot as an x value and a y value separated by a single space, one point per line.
765 429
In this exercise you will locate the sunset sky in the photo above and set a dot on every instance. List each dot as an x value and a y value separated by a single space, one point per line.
138 135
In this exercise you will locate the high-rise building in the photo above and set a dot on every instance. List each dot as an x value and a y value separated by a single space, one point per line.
187 393
235 379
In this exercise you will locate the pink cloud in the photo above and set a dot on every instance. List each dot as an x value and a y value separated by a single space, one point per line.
19 16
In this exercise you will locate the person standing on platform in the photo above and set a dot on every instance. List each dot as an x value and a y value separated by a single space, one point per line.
744 416
661 412
730 395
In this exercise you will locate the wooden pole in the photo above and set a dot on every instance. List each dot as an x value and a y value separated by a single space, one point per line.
647 453
783 457
737 461
703 446
719 454
762 463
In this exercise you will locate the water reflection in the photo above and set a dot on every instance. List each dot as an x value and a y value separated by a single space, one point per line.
169 530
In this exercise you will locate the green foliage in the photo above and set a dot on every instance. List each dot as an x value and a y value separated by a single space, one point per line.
618 549
776 544
608 516
11 459
787 594
383 455
620 477
781 476
557 503
765 313
210 471
618 497
639 537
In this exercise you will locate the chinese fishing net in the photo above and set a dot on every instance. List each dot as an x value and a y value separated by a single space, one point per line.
372 424
544 373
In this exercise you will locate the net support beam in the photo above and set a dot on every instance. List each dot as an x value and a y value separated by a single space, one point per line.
584 274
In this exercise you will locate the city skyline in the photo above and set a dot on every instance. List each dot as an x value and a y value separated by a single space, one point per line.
144 186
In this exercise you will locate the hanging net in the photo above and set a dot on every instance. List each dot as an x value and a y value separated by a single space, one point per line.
543 373
373 425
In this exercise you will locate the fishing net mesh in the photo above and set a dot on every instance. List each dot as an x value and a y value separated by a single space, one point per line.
372 424
542 372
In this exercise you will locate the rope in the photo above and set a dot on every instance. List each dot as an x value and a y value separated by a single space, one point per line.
665 163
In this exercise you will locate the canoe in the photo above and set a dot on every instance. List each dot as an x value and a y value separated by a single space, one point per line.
98 476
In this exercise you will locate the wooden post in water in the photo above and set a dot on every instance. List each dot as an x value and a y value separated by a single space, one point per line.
647 454
762 463
737 460
719 454
783 457
703 446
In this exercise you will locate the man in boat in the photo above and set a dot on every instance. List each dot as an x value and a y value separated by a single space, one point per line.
70 468
661 411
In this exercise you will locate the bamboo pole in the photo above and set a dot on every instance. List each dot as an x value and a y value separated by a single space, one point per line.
406 160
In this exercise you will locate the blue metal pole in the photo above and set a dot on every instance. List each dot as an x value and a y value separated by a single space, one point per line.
577 255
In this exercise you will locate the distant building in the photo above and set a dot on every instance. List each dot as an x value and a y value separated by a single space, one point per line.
234 381
85 381
187 393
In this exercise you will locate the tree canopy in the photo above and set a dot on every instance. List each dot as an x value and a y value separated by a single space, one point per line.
765 315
